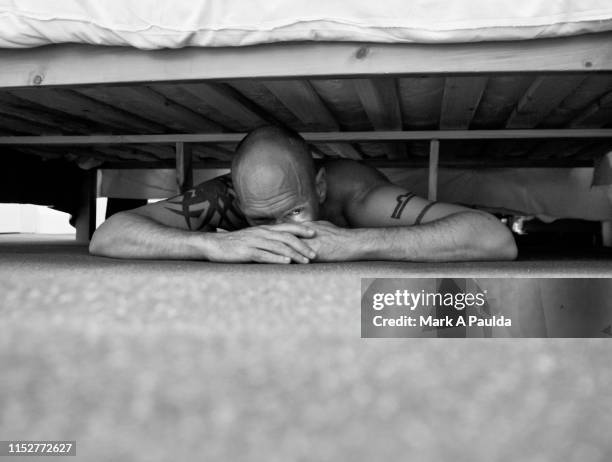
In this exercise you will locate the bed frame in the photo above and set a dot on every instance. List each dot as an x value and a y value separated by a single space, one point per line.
384 104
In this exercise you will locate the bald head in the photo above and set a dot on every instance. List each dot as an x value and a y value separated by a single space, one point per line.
272 164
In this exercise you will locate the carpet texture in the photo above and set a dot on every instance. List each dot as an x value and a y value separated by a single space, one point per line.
159 361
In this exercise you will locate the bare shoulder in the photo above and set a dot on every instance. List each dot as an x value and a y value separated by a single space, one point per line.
350 180
209 205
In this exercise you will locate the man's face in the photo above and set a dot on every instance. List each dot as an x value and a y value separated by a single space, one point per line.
287 207
276 185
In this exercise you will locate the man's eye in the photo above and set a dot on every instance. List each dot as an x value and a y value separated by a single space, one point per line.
295 212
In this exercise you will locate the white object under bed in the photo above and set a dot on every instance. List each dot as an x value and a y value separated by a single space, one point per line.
154 24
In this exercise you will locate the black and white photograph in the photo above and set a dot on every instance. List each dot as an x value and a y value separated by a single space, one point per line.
273 230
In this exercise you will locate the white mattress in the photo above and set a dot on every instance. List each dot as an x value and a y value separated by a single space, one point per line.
152 24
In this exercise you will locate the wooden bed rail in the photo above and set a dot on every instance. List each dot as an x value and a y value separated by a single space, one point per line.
348 136
70 64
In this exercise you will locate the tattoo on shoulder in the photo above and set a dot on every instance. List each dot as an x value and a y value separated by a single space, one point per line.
402 200
211 204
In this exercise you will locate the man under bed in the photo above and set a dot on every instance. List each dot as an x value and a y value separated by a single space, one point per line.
276 207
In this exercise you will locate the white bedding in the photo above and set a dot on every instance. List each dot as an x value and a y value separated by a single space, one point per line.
153 24
547 193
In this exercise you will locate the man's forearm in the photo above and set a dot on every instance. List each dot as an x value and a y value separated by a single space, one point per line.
459 237
129 235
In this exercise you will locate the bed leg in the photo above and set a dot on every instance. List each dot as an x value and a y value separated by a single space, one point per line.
86 218
606 233
434 154
184 167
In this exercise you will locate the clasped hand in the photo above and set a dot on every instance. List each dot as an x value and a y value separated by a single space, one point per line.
282 243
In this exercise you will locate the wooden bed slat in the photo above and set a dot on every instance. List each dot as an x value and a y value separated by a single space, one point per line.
254 92
17 124
420 100
592 89
341 97
146 103
241 105
72 103
380 100
541 98
255 96
499 99
304 102
460 101
598 114
250 105
27 110
572 108
211 98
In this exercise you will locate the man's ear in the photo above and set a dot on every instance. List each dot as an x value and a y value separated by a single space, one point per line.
321 185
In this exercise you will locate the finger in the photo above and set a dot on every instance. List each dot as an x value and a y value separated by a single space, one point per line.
262 256
281 248
297 229
291 240
323 223
314 225
296 244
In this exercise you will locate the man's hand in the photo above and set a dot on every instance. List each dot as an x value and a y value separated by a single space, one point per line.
330 242
279 243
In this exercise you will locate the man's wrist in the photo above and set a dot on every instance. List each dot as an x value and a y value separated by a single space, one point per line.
381 243
202 245
366 243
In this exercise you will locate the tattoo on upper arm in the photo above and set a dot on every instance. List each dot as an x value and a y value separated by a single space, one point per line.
423 212
212 203
402 200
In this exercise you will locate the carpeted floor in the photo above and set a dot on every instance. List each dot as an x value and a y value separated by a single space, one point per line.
160 360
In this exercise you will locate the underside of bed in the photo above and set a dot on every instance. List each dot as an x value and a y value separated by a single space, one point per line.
330 109
401 95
